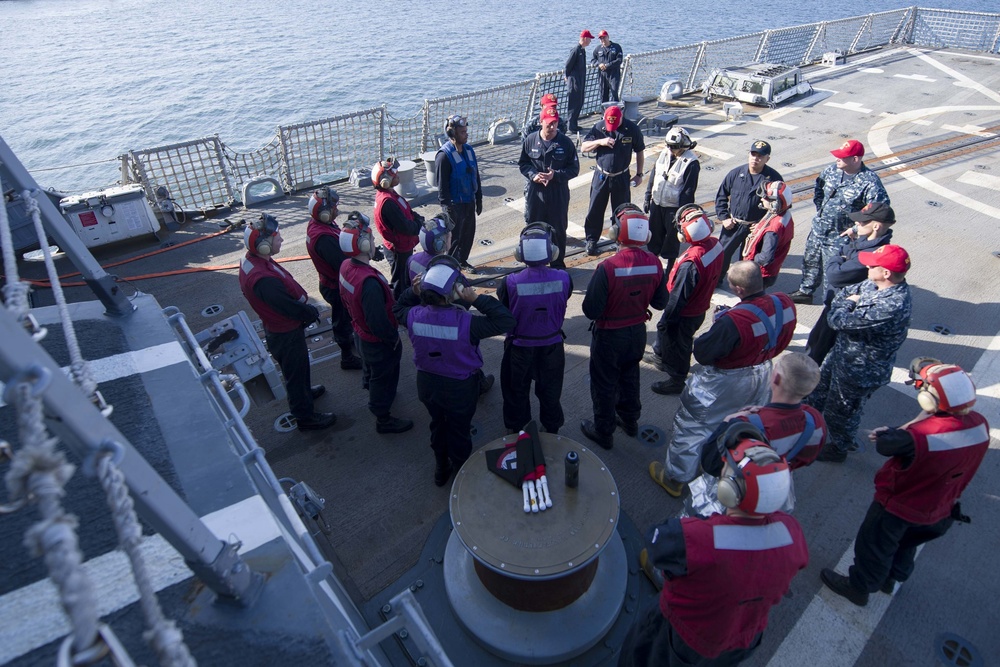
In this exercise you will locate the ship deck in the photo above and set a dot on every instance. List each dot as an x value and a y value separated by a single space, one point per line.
929 120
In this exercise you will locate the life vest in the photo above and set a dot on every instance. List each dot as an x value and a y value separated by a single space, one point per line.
394 240
707 256
440 338
795 432
417 264
329 274
633 275
464 173
765 325
538 296
353 274
737 569
668 179
254 268
784 227
949 449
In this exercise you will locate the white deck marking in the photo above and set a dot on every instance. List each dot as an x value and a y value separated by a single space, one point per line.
968 55
974 130
981 180
849 106
718 155
131 363
915 77
32 616
922 121
871 70
960 79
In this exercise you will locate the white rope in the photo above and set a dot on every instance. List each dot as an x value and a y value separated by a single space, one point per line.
162 634
15 292
79 369
39 472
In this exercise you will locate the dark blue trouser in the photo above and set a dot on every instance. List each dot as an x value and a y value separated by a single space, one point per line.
381 372
290 351
343 331
732 243
603 188
886 546
399 277
464 233
614 375
674 342
842 403
451 405
545 365
663 241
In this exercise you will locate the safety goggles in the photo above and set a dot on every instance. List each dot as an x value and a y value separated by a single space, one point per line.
457 121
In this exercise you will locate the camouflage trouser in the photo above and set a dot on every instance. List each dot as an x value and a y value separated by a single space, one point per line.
820 248
841 401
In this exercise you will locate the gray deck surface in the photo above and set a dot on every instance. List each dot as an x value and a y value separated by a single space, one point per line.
381 502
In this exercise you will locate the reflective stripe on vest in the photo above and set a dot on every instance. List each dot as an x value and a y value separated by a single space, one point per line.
764 324
751 538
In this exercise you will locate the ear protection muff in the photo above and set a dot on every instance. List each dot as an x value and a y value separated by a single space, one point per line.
432 235
356 236
534 237
631 226
258 234
382 173
942 387
759 481
692 224
452 122
776 192
323 203
446 279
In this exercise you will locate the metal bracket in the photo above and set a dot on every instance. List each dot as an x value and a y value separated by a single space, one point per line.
230 577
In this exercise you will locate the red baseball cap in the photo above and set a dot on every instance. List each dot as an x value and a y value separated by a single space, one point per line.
603 33
851 148
891 257
548 99
612 118
586 35
548 115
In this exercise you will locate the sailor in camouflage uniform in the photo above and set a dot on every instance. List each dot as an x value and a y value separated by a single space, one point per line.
842 188
871 319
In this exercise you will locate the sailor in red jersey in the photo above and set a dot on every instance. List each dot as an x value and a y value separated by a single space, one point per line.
367 296
770 238
723 574
396 221
795 430
621 291
285 311
735 356
690 285
323 245
932 460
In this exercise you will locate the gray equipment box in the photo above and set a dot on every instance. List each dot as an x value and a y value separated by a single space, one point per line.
109 215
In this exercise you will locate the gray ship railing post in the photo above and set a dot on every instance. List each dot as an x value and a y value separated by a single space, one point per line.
78 424
103 285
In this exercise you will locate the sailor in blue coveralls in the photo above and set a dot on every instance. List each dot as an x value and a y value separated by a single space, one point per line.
575 73
608 57
614 139
445 340
459 188
537 296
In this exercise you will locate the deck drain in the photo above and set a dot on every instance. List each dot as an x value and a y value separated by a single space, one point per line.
787 164
996 253
710 167
285 423
651 436
209 311
983 167
508 199
958 651
941 329
935 204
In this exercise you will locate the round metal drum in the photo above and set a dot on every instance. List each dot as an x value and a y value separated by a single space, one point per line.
489 518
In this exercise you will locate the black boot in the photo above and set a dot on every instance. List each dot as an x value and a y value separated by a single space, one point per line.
442 471
349 361
317 421
390 424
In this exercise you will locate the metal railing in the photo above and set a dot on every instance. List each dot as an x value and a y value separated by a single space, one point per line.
205 173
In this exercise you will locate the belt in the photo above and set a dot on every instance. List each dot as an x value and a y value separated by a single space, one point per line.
746 223
610 174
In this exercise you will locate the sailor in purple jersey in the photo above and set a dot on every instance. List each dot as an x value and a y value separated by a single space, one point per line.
445 340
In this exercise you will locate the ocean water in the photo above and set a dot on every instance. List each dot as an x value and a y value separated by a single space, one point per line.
82 81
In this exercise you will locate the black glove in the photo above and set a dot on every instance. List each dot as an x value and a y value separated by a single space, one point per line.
313 315
956 514
378 255
645 205
479 207
419 219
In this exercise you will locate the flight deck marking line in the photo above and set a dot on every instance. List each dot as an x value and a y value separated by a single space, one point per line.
974 130
871 70
111 575
118 366
848 106
915 77
967 55
980 180
958 76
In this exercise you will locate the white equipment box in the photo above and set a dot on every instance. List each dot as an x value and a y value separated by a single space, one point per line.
110 215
